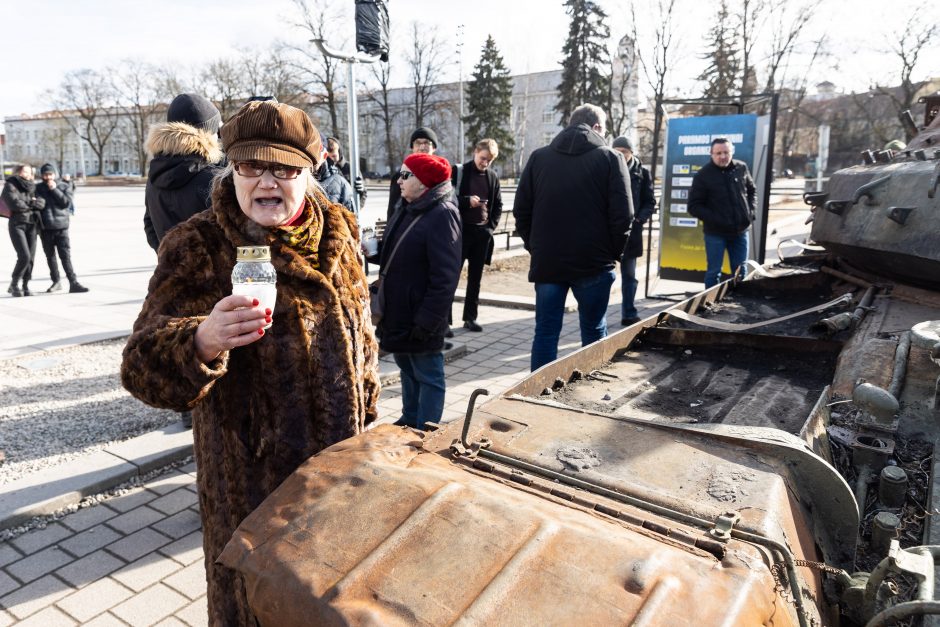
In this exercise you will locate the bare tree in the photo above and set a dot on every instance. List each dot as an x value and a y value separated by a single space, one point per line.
385 111
55 140
909 44
656 63
91 97
270 72
788 22
426 61
750 23
137 89
322 76
225 84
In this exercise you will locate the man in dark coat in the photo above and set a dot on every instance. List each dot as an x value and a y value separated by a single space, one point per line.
481 205
644 205
420 278
55 229
723 198
573 208
19 194
185 152
422 141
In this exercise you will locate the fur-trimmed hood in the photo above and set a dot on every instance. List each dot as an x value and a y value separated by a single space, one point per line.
177 138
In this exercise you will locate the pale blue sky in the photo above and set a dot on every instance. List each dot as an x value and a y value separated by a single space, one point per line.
60 35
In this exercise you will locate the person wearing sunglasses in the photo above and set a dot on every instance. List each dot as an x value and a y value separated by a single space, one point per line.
419 261
263 399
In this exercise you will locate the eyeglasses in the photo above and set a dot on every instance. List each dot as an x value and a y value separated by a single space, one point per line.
405 175
254 169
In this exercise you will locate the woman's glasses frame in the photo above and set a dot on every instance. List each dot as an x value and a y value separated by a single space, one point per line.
254 169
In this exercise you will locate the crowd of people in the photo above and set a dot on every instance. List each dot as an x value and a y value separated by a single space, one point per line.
265 386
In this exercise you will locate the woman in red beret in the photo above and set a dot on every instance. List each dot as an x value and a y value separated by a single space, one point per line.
420 261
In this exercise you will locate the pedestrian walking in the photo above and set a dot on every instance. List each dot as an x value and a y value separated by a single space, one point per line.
263 399
55 217
573 209
480 201
723 197
419 262
186 155
19 194
644 205
335 152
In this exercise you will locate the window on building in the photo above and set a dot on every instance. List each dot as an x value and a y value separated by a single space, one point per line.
547 137
548 115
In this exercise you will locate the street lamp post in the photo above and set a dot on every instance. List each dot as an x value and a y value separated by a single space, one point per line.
460 89
352 114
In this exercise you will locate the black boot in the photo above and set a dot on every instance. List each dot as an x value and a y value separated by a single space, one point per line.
26 291
16 291
55 287
76 288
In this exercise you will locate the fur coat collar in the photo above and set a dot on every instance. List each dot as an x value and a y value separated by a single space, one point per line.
177 138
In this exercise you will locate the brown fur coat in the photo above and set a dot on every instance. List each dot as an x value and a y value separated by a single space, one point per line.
261 410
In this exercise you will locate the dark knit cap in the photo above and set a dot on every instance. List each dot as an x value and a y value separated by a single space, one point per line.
47 167
423 132
623 142
430 169
196 111
272 132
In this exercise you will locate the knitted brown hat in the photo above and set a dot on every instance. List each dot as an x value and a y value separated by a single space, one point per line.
430 169
272 132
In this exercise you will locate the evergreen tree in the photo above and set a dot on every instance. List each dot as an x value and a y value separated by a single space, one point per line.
489 100
585 74
724 68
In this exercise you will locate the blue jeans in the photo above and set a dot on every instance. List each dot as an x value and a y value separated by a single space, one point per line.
422 388
715 246
628 287
592 294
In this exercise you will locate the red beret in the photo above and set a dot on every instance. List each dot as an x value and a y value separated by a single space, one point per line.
430 169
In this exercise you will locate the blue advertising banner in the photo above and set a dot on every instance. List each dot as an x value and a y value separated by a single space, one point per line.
688 148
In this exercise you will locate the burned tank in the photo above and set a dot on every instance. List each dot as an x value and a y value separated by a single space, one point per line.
759 454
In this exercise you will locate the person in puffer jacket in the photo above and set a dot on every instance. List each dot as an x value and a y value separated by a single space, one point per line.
186 155
55 218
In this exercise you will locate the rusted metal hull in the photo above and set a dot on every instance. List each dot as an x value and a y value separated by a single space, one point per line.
381 530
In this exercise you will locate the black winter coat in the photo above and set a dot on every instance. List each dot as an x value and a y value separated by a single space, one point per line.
421 280
644 203
573 207
723 198
55 215
179 184
20 196
494 204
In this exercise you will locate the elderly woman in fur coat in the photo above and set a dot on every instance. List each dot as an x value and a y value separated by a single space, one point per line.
263 401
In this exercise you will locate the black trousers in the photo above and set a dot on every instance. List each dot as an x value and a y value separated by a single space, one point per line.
53 240
23 237
477 243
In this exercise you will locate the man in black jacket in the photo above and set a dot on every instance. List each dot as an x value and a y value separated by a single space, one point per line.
55 229
573 208
19 194
723 198
644 204
422 141
481 204
420 278
185 152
